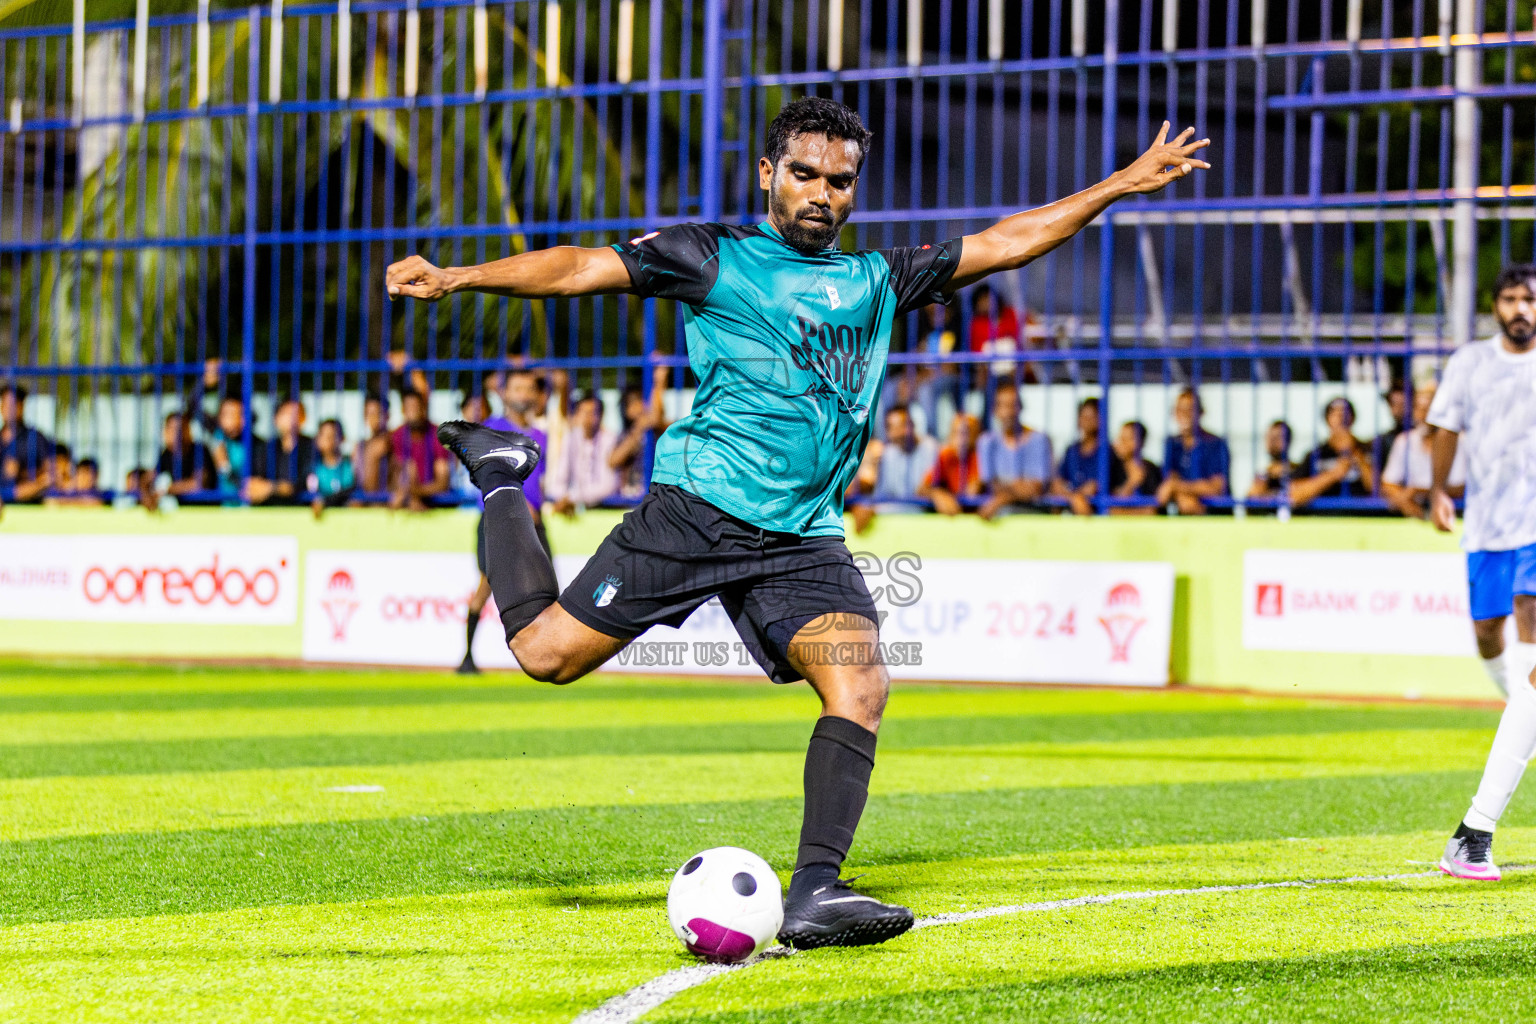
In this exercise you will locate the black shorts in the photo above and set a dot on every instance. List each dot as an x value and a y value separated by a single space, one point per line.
674 551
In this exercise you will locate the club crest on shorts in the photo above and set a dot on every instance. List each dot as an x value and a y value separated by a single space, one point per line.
606 591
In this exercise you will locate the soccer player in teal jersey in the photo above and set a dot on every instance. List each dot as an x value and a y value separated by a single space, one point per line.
788 336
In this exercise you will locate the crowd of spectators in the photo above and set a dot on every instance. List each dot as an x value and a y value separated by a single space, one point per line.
1010 468
212 452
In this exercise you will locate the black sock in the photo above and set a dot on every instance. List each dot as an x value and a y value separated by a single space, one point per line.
837 767
496 474
471 624
521 574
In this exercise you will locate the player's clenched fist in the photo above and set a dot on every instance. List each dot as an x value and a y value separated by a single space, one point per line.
415 278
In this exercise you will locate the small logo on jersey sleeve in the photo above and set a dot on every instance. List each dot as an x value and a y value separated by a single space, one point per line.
606 591
644 238
833 299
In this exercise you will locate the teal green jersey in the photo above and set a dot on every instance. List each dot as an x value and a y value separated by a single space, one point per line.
790 352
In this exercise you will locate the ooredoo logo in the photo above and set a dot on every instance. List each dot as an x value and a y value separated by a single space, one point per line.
207 585
339 604
1122 619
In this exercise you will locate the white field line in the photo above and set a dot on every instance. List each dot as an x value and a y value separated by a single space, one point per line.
628 1007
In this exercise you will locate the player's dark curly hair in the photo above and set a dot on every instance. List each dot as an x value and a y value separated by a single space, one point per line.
1512 275
813 115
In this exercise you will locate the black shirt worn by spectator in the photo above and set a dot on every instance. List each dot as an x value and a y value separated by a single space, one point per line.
1275 486
192 462
1150 481
279 466
1323 458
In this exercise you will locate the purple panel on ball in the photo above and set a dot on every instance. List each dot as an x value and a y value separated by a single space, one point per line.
719 943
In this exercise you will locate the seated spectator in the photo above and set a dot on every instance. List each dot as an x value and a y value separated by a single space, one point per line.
1275 481
939 378
1409 473
955 476
1138 477
84 489
632 457
1013 461
472 409
1340 467
225 431
523 396
1077 478
1195 463
282 465
370 456
891 474
137 484
419 460
63 479
332 478
1396 396
184 467
26 454
553 415
583 475
923 384
994 331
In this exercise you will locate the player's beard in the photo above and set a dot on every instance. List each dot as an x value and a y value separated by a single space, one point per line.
1519 331
809 237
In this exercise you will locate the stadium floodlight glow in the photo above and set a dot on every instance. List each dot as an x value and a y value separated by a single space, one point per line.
343 49
624 68
204 43
15 115
412 69
995 30
482 49
914 33
1352 21
552 43
140 57
1079 28
1170 26
1259 10
834 35
77 52
275 68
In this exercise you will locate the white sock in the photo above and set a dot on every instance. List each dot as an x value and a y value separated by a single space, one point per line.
1513 746
1519 659
1494 666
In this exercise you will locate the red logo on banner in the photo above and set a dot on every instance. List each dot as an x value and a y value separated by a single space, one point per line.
201 586
1270 602
1122 619
338 603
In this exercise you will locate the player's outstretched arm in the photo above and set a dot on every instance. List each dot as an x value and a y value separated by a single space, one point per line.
1017 240
560 271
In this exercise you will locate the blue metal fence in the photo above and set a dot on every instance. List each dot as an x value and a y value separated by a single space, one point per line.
230 184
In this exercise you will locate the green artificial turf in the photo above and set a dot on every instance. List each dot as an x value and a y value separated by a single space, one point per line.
172 848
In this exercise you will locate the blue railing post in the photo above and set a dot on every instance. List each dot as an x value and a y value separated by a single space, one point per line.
248 291
1107 245
714 87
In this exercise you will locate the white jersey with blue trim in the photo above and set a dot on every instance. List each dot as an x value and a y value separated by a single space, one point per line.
1487 395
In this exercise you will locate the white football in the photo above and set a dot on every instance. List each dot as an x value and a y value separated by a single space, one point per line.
725 904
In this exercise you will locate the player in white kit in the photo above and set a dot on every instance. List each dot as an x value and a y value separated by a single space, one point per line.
1487 405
